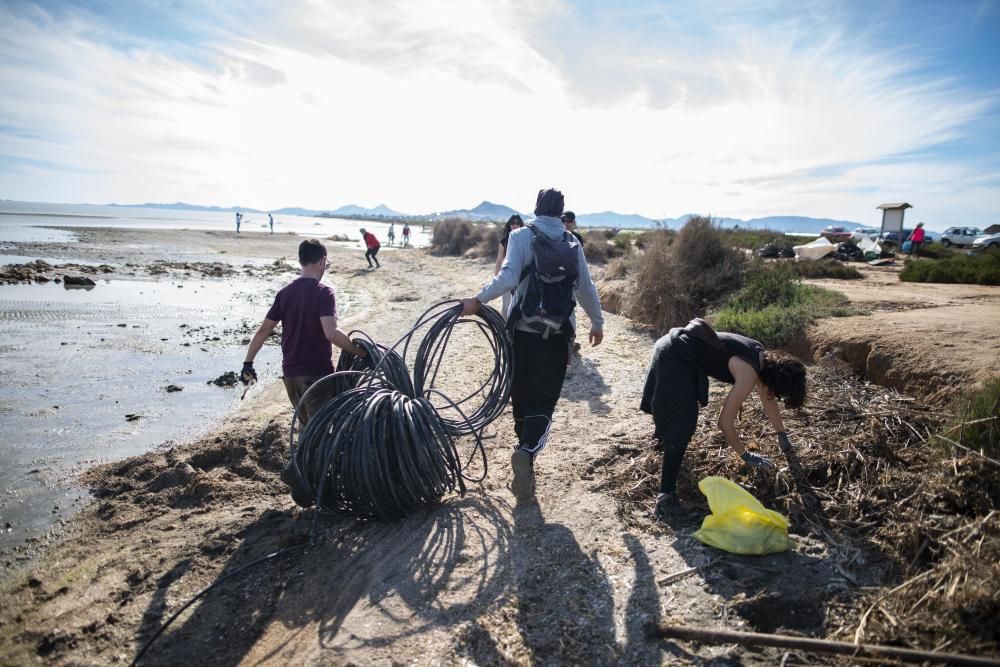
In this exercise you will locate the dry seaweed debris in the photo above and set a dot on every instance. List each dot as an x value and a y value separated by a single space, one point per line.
911 523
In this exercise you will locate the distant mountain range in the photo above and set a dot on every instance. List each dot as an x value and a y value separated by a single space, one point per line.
345 211
484 211
489 211
352 210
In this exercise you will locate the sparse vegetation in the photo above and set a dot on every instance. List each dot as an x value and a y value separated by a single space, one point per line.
983 268
774 306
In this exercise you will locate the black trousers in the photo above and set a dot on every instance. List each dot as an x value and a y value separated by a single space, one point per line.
671 395
370 255
539 372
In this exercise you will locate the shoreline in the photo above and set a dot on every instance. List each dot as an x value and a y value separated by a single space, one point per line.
479 577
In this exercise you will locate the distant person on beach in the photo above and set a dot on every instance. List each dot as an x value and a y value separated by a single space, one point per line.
547 267
406 235
307 311
270 221
514 222
372 247
391 234
917 237
239 219
569 221
677 382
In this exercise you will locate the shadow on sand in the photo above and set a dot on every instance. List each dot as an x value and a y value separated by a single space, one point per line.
447 569
439 567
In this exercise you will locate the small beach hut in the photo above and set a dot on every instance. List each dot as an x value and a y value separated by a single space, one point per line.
892 218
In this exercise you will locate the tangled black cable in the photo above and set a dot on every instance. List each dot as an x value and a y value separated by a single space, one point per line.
380 446
385 444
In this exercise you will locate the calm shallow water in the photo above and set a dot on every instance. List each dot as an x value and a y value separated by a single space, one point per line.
75 362
32 222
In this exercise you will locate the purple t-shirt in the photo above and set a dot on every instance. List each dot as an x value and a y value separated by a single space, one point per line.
305 350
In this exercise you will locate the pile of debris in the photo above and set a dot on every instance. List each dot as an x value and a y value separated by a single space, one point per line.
41 271
869 478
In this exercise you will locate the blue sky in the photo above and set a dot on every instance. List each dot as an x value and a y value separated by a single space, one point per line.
739 109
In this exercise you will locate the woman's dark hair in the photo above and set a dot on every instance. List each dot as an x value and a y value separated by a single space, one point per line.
511 221
785 377
311 251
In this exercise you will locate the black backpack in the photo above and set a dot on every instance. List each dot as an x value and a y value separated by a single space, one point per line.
548 300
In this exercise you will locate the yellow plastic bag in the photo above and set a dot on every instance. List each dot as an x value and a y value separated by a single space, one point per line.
738 523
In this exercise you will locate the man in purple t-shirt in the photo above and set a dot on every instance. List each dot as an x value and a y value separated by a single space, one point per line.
307 311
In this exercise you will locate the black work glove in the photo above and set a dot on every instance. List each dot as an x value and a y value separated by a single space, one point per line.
756 460
784 444
248 374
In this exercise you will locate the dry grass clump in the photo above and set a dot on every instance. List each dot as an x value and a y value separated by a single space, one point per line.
453 236
867 477
598 250
680 276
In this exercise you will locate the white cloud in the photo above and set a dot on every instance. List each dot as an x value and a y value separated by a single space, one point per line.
436 105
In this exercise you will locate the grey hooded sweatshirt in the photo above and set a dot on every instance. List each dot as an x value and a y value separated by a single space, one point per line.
520 256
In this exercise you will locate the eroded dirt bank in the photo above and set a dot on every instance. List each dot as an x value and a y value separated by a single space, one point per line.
567 578
926 339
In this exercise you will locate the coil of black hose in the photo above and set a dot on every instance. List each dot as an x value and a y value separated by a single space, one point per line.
386 444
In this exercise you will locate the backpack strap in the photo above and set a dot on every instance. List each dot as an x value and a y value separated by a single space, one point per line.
527 269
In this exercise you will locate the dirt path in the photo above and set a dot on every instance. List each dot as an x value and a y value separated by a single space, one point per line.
562 579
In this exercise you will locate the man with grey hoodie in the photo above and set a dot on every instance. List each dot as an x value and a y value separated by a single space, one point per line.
540 354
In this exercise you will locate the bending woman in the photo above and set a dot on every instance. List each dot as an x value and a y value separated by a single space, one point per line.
677 381
514 222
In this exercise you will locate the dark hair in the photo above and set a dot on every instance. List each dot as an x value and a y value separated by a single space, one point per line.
511 221
549 202
311 251
568 216
785 377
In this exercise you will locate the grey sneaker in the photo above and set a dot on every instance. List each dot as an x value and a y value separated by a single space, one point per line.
523 484
667 506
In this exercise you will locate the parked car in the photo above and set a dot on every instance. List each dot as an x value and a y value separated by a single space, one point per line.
960 236
835 234
862 233
990 241
893 237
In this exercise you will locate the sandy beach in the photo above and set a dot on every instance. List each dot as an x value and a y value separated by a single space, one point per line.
565 578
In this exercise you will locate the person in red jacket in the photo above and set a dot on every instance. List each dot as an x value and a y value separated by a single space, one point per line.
917 239
373 246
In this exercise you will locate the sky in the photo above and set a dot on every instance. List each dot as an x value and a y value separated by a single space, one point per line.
739 108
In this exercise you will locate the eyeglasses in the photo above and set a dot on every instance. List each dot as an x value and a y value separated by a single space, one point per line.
326 264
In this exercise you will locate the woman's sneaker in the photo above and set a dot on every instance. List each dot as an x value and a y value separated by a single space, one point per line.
667 506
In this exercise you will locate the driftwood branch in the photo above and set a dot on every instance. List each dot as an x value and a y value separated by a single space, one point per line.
858 651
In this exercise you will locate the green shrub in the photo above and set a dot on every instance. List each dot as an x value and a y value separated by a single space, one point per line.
680 276
752 239
938 251
976 424
826 268
983 268
773 306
